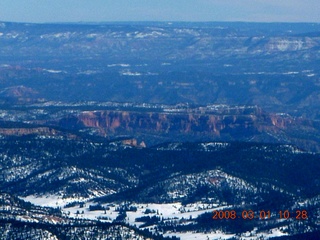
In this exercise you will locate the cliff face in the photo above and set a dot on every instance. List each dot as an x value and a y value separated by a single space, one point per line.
182 122
242 124
114 121
152 125
44 131
227 125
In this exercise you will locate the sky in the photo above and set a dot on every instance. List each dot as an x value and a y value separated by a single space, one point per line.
42 11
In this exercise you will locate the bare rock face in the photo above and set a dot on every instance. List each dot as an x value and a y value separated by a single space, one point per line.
38 131
239 124
114 121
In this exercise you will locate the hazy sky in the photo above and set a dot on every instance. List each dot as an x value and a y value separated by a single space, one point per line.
159 10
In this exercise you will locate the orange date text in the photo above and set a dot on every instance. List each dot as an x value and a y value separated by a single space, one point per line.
262 214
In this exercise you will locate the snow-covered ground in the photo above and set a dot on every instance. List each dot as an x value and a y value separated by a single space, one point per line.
169 211
200 236
50 200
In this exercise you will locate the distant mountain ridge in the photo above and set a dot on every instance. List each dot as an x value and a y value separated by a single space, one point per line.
272 65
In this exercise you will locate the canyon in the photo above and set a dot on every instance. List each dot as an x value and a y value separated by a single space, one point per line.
140 130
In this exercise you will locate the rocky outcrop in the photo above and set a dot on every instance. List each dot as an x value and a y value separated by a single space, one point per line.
44 131
114 121
226 124
238 124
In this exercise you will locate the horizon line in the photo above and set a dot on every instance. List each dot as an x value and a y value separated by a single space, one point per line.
160 21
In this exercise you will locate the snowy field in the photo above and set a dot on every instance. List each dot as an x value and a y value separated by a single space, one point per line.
170 211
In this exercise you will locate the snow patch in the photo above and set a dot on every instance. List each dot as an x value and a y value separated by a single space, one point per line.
291 73
52 71
50 200
129 73
213 145
311 75
194 235
118 65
